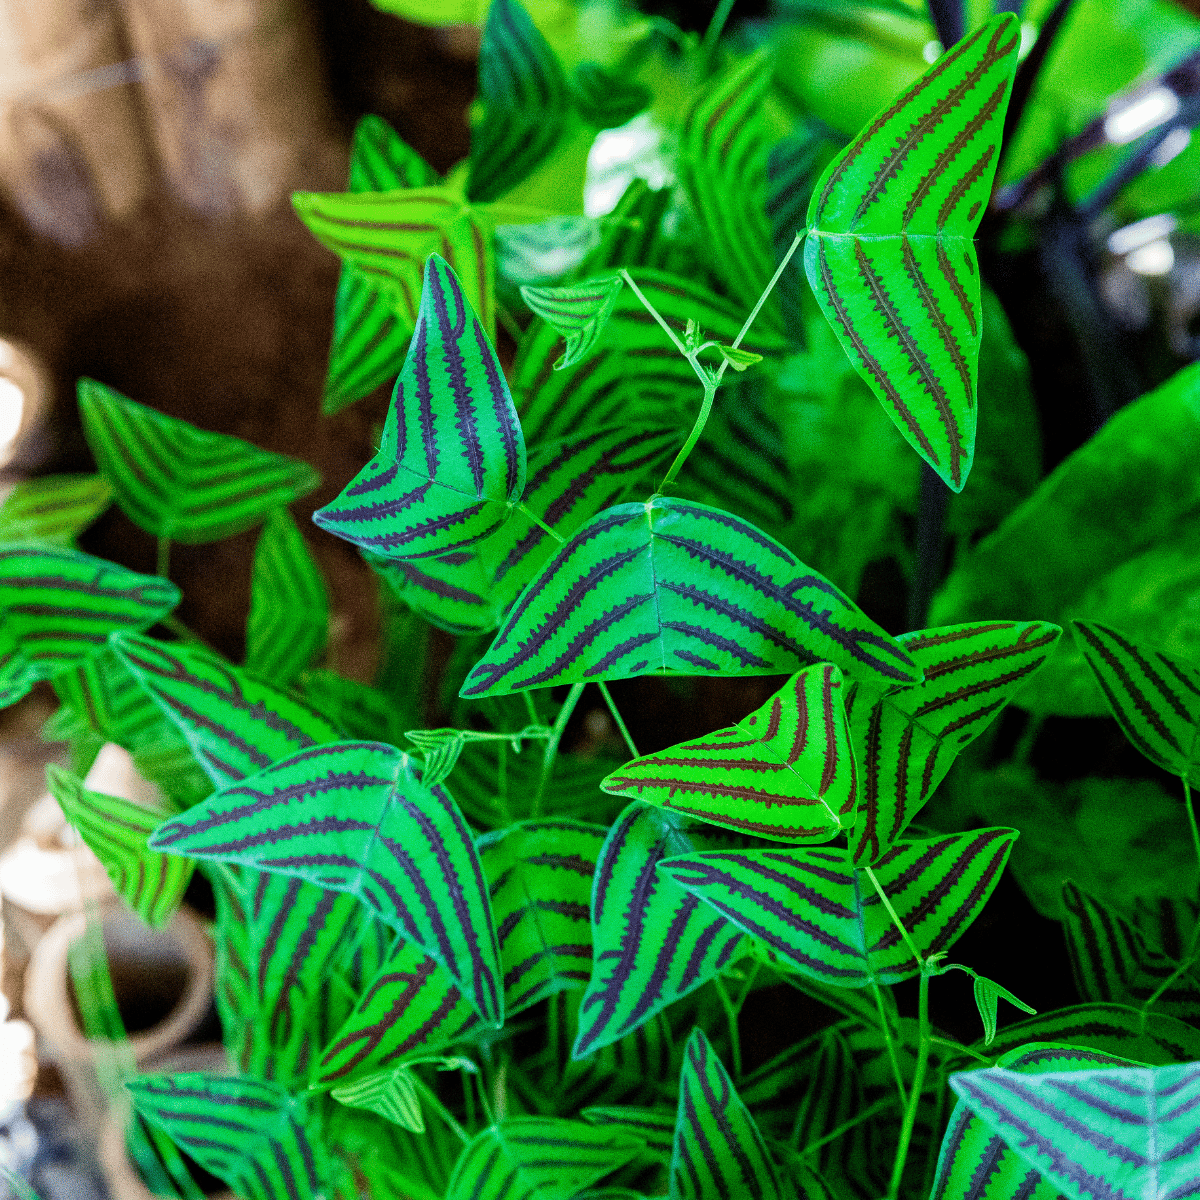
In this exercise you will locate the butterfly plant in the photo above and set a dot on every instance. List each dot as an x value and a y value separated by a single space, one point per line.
472 943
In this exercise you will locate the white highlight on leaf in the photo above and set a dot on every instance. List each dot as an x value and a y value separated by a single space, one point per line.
618 157
1173 145
1029 35
1130 237
932 51
1131 118
1155 258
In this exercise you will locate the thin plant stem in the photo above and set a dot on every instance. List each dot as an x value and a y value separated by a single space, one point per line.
712 34
162 565
713 381
895 918
560 724
744 994
531 708
983 1058
845 1127
885 1027
637 291
914 1096
502 784
430 1097
731 1016
524 508
468 1095
616 716
1024 747
931 1154
1191 812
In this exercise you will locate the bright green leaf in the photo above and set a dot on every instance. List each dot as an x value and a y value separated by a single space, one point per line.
53 510
391 1094
579 312
605 99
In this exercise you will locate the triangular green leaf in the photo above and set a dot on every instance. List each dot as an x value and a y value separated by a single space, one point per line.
265 1143
382 161
177 481
906 741
53 510
652 942
579 312
405 851
604 99
739 360
235 724
452 460
786 771
540 879
391 1094
526 102
824 917
1117 1131
889 252
538 1158
668 586
289 602
718 1150
1155 696
116 830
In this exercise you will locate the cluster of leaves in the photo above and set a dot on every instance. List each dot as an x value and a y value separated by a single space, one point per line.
458 962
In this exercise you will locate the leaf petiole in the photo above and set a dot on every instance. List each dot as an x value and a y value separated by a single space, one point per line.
560 725
914 1096
895 918
523 508
616 716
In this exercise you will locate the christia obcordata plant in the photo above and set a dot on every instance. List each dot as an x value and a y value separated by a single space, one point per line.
469 961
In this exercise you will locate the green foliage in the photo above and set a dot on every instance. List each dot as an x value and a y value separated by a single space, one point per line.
449 963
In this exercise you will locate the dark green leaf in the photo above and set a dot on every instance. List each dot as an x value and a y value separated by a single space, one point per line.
540 879
889 252
53 510
678 587
289 603
718 1150
526 102
823 915
382 161
116 830
452 461
579 312
180 482
786 771
905 742
355 817
358 709
655 1126
236 725
652 942
604 99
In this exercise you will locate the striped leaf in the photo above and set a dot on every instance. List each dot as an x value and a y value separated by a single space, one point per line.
388 236
58 607
905 742
355 817
655 1126
785 772
1112 960
179 482
538 1158
236 725
382 161
1155 696
604 99
361 711
718 1149
525 102
723 148
116 830
889 252
822 914
451 463
540 880
289 602
369 334
668 586
264 1142
634 378
651 942
569 482
1152 1037
975 1164
53 510
410 1006
391 1094
1110 1131
579 312
633 235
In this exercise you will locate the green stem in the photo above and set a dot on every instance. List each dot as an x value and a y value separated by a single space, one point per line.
732 1017
712 34
846 1126
468 1088
531 708
163 564
564 715
1191 812
502 785
712 382
961 1049
914 1096
744 994
1024 747
524 508
895 918
430 1098
616 716
885 1027
637 291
